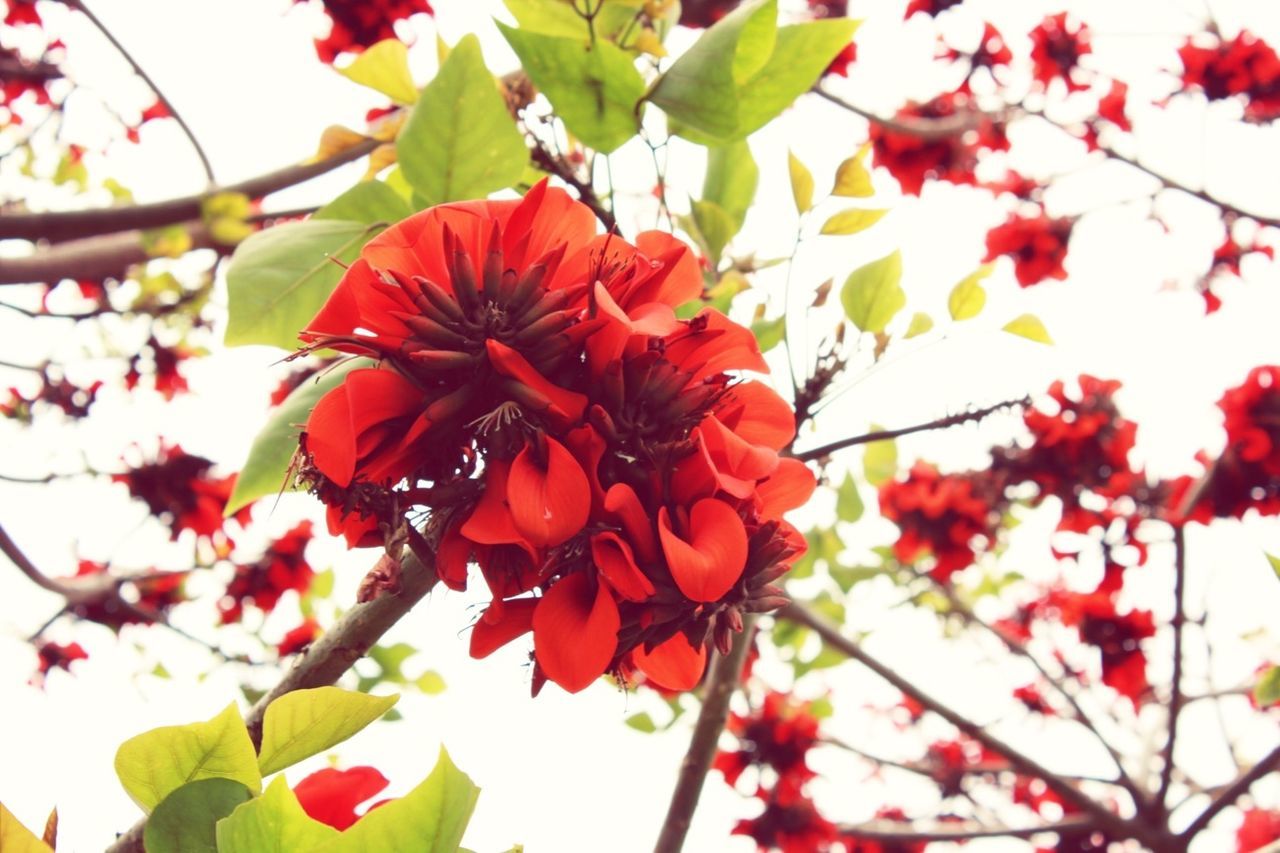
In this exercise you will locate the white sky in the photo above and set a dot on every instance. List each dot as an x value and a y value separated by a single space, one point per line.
562 773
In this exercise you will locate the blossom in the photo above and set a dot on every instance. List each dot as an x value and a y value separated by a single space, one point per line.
1056 48
157 592
620 491
1036 243
1116 635
1111 106
53 655
165 368
913 158
932 8
941 515
790 823
297 639
331 795
777 734
1258 828
1246 67
281 568
358 24
180 491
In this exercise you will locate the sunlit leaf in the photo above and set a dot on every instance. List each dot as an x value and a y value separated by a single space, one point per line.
853 179
272 823
17 838
715 227
642 722
186 820
1030 327
1267 691
369 202
302 723
384 67
849 505
873 295
852 221
968 296
732 176
880 460
920 323
801 183
769 333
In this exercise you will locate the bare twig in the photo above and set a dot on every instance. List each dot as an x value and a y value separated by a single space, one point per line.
1176 696
1269 764
896 832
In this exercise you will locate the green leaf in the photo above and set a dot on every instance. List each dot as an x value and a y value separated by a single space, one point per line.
1267 691
186 820
265 471
769 333
429 819
1029 326
853 180
272 823
279 278
154 764
368 202
16 838
801 183
460 142
852 221
715 227
170 241
301 723
430 683
880 460
920 323
391 659
872 294
595 89
968 297
848 500
1275 564
384 67
732 176
642 722
557 18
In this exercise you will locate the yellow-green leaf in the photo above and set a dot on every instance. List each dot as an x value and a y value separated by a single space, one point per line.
154 764
16 838
272 823
171 241
769 333
801 183
968 296
430 682
880 460
872 294
920 323
1028 326
853 180
1267 690
304 722
852 221
1275 564
384 68
849 505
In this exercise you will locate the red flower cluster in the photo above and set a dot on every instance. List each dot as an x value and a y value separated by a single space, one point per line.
932 8
1056 48
281 568
157 593
1226 262
913 158
297 639
1247 472
941 515
778 734
1245 67
1037 245
180 491
331 796
578 439
789 823
56 391
52 655
358 24
164 366
1111 106
699 14
1258 828
1117 636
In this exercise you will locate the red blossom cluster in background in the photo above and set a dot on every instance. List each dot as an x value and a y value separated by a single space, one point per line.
526 364
1245 68
359 24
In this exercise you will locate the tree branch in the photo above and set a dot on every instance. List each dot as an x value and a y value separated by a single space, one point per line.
895 832
92 258
726 673
1176 696
329 657
885 434
1105 820
1270 763
56 226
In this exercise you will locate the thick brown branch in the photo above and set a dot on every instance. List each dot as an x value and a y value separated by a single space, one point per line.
885 434
329 657
726 673
894 832
13 67
93 258
56 226
1103 818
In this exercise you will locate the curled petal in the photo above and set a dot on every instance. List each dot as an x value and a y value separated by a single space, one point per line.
786 489
551 504
679 279
575 631
331 441
673 664
615 561
490 523
331 795
452 557
756 413
567 406
707 563
359 532
516 619
622 502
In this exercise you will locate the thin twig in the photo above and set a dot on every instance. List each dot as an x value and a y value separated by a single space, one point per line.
1176 697
896 832
1269 764
726 673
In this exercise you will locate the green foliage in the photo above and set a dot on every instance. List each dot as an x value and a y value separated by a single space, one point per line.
429 819
460 142
225 216
853 180
714 228
265 472
594 88
1267 690
279 278
430 682
1275 564
185 821
872 295
384 67
642 722
920 323
304 722
731 180
968 296
272 823
880 460
849 506
368 202
154 764
851 221
1030 327
801 183
769 333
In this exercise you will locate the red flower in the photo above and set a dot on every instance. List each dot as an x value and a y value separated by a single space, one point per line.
1037 245
282 568
703 13
157 592
331 795
941 515
1245 67
165 368
1117 636
912 158
1111 106
179 490
358 24
297 639
790 823
1056 48
56 656
932 8
1258 828
778 734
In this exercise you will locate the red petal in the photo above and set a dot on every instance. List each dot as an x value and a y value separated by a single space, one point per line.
567 405
548 506
735 457
680 280
710 563
758 415
673 664
787 488
622 502
575 631
331 439
517 619
331 795
614 559
452 557
490 522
